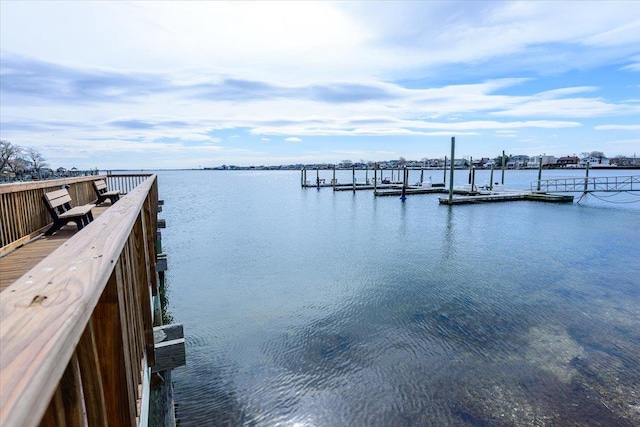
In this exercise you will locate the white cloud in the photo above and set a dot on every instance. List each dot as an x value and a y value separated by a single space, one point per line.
205 74
618 127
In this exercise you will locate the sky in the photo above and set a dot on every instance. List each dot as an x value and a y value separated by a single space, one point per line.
149 85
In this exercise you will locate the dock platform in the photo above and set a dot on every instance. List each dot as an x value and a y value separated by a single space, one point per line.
507 197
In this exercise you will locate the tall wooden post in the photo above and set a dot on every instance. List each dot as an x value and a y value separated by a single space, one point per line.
453 156
421 175
302 177
473 179
444 179
405 176
491 179
586 178
470 168
375 179
539 172
318 177
333 181
503 163
353 168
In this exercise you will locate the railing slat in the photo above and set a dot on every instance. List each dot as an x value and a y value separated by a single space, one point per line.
89 361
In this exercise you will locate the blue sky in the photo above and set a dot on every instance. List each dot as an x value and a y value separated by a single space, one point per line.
194 84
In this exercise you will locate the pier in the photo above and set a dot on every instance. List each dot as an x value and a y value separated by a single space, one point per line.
81 331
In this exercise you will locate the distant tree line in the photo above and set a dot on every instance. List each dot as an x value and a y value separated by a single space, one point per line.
21 160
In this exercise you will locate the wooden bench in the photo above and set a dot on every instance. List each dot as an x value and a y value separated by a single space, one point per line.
101 191
58 204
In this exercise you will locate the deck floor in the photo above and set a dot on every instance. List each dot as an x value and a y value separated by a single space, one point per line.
15 264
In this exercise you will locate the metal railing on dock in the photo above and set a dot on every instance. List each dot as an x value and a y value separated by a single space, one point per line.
588 184
76 331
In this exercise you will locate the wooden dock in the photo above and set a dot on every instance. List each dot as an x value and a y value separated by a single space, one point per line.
507 197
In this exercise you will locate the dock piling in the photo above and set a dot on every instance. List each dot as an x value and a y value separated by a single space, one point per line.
539 172
353 169
444 178
404 183
491 179
453 153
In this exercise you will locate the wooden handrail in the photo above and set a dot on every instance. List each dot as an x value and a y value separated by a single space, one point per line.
76 331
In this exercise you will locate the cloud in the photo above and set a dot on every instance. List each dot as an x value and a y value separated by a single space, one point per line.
293 139
618 127
231 74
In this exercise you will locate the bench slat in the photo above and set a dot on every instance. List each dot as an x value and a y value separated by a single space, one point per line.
78 210
60 200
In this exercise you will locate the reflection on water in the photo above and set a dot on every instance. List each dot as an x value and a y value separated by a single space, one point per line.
306 307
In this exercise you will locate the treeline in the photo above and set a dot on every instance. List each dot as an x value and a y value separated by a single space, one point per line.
19 163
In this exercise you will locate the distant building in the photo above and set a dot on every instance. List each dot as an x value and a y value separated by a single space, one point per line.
594 161
547 161
568 161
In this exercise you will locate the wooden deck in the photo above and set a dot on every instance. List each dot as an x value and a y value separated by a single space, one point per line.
15 264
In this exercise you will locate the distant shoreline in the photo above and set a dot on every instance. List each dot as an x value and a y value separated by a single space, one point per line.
277 168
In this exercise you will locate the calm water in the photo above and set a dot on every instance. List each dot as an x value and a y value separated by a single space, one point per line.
315 308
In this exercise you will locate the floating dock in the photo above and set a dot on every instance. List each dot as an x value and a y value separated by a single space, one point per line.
507 197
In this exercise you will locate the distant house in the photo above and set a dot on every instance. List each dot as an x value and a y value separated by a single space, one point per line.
534 161
594 161
568 161
518 161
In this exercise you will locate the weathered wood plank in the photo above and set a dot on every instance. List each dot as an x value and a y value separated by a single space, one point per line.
170 347
92 384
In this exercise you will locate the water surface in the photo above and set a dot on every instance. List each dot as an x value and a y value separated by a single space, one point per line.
314 308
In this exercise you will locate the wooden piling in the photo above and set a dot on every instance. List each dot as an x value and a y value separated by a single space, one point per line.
539 172
453 153
333 181
375 179
444 178
503 163
404 184
586 178
491 179
473 179
353 169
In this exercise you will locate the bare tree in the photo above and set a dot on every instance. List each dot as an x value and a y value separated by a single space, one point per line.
8 152
34 157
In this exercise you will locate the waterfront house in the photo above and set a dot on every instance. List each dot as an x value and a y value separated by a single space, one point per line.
568 161
594 161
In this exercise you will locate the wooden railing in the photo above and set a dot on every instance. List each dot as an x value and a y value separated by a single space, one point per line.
76 331
124 182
